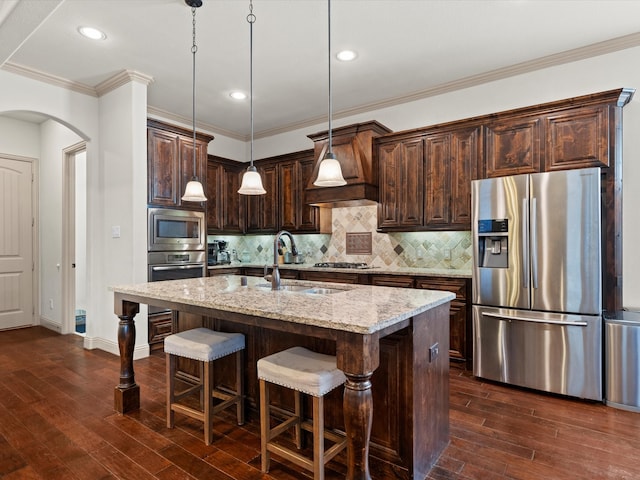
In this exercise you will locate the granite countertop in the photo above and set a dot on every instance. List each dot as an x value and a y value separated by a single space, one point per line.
353 308
414 271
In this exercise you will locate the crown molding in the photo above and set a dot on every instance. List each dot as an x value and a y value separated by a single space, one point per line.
50 79
161 114
120 79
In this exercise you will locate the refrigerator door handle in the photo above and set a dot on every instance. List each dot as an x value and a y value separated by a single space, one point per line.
525 243
534 244
534 320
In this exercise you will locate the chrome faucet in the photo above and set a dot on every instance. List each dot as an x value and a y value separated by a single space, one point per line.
274 278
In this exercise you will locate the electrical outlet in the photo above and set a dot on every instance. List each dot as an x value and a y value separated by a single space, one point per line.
434 350
51 303
447 254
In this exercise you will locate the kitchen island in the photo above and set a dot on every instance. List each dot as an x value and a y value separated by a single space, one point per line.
356 319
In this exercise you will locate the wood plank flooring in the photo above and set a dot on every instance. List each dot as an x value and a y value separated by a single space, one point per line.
57 422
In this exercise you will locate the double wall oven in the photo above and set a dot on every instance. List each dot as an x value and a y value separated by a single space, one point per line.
177 241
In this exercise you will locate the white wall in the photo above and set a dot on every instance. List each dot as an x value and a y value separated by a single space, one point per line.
54 138
19 138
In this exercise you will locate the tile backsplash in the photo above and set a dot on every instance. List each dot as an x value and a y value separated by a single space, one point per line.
451 249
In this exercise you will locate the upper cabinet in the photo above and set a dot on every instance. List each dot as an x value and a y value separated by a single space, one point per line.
572 133
170 164
225 206
425 179
285 205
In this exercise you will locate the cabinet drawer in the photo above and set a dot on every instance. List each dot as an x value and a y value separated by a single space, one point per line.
456 286
335 277
392 281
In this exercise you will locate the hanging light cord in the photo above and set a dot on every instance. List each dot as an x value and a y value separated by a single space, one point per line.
329 56
194 49
251 18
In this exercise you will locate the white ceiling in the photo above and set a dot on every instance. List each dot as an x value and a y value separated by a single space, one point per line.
407 49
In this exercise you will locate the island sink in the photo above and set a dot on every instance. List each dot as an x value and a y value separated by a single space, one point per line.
305 289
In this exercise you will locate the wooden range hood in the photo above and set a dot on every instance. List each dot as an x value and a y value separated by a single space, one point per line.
353 146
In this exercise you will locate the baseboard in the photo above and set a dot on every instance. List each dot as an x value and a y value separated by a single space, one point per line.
50 324
92 343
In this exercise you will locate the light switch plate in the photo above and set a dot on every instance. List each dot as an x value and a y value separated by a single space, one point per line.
115 231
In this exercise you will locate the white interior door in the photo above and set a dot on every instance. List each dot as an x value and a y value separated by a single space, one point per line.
16 248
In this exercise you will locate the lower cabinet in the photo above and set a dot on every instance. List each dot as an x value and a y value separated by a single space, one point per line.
159 327
460 344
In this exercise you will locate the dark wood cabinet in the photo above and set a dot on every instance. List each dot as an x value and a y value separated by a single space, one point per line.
334 277
262 210
401 184
425 179
159 327
403 281
225 207
513 146
460 347
285 204
578 137
170 164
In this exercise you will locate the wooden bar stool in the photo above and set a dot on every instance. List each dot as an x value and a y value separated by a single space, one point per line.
206 346
302 371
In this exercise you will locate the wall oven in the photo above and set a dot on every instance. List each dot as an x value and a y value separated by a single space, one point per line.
176 246
171 230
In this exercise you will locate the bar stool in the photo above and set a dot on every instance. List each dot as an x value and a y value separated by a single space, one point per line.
302 371
206 346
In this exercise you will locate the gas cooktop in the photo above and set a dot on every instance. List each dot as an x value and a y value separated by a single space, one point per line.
341 265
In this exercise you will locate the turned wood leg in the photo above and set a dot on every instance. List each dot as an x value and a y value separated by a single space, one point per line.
358 417
127 393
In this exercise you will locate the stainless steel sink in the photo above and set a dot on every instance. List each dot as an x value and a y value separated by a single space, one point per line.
291 288
323 291
304 289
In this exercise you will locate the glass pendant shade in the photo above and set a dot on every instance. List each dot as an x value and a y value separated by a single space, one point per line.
329 172
194 192
251 183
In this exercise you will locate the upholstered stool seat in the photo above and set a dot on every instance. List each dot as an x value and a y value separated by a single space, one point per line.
205 346
302 371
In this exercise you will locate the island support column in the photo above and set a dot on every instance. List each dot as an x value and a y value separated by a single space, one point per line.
126 396
358 356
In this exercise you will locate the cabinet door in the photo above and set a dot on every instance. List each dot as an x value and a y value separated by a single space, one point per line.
437 177
401 184
162 164
288 190
262 210
459 313
578 138
214 197
513 146
309 216
232 203
465 157
185 149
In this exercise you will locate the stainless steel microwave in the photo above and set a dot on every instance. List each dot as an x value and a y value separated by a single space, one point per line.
171 230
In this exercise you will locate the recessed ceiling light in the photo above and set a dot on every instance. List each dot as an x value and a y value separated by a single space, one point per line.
238 95
92 33
346 55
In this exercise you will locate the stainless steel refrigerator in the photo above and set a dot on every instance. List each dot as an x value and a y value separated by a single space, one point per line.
537 281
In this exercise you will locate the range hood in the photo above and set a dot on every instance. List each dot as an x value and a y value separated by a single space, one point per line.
353 146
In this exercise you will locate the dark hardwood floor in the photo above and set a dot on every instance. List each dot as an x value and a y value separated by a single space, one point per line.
57 422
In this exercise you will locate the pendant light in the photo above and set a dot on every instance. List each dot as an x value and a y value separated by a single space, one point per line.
194 191
251 181
329 172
